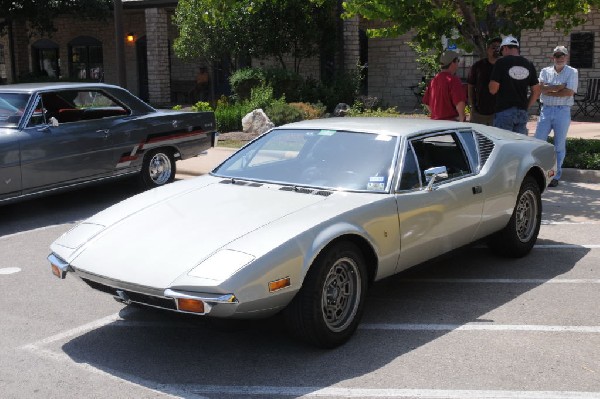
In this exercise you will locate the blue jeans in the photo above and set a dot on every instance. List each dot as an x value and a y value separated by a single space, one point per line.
557 118
513 119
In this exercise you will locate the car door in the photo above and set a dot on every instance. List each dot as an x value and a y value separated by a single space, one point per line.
436 217
66 145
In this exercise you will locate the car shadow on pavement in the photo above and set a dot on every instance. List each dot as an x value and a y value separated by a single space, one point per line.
183 355
572 202
65 207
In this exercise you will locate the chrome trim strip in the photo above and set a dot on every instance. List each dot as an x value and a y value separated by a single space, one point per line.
226 298
117 284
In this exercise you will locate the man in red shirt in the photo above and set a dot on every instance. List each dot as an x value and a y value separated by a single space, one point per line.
445 97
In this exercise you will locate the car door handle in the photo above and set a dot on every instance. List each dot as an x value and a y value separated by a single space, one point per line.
477 190
104 132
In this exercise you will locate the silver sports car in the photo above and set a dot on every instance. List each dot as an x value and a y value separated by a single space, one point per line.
304 218
56 136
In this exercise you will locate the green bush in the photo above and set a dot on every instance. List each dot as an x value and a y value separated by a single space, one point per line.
285 83
229 116
581 153
261 97
244 80
281 113
201 106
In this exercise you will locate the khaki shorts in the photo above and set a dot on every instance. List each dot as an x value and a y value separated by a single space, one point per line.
483 119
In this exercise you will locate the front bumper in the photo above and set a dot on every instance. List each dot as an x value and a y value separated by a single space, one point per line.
216 305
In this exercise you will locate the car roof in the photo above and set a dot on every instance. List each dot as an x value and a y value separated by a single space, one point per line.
395 126
33 87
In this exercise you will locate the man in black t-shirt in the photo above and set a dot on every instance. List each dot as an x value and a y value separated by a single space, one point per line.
513 77
481 101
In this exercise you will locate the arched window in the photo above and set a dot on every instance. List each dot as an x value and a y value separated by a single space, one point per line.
45 58
85 58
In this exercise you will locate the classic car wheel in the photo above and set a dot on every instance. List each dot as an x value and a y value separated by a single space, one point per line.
328 308
520 234
158 168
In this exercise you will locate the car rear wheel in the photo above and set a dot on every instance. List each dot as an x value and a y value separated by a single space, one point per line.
521 232
158 168
328 308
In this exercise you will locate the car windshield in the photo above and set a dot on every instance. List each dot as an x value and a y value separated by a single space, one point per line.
12 106
327 159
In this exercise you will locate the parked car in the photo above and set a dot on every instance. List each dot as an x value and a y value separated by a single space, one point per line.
307 216
62 135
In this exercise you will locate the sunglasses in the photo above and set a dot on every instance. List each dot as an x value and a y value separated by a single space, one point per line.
559 55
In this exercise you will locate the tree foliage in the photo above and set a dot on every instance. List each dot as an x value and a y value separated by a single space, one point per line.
222 29
468 22
40 14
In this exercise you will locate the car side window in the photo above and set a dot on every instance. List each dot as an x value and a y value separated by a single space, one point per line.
468 139
38 117
81 105
409 178
441 150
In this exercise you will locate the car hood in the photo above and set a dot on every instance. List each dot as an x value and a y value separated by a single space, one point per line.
155 237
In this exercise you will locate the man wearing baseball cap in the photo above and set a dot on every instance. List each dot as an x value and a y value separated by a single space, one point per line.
559 84
445 97
515 83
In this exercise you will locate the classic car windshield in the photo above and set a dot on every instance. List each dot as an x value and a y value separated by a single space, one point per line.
12 106
326 159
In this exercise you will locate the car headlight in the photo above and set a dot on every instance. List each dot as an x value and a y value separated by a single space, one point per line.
221 265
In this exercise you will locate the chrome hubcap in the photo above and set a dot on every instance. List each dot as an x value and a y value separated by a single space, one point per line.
160 168
341 294
526 216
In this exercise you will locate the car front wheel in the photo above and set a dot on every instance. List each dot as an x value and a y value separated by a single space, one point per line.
327 310
521 232
158 169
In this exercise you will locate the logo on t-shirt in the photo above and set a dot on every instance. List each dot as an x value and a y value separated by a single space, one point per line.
518 73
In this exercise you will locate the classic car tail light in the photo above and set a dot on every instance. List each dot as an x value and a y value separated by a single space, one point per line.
190 305
56 271
279 284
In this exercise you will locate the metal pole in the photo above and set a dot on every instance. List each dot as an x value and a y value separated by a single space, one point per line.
120 43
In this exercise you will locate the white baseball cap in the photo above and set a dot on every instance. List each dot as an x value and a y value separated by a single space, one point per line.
560 49
509 41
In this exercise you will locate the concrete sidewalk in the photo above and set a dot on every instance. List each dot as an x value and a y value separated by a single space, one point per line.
203 164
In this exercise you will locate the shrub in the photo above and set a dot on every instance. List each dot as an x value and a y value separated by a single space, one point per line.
285 83
177 107
280 113
581 153
310 111
229 116
244 80
201 106
261 97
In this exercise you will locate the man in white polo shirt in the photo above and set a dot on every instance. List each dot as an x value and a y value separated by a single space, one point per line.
559 84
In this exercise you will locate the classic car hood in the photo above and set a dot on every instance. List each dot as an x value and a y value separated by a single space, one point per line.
152 240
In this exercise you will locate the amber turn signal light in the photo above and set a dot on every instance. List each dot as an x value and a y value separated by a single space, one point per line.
279 284
190 305
56 271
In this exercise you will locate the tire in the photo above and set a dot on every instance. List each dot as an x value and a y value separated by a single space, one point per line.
521 232
327 309
158 169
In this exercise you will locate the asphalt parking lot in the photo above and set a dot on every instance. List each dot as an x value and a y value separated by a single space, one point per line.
470 325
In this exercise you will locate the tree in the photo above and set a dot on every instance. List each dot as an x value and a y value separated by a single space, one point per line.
40 14
236 29
469 23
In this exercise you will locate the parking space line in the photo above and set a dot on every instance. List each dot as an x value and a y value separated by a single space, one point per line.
503 280
314 392
589 246
479 327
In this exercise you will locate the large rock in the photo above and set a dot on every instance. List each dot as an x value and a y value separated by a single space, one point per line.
256 122
341 109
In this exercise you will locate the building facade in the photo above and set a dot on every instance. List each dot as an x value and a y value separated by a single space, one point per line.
82 49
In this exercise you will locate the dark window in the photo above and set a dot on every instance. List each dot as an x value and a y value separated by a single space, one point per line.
409 179
80 105
2 65
86 59
45 58
582 50
441 150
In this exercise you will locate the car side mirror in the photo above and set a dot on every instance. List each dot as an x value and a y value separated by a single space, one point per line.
432 174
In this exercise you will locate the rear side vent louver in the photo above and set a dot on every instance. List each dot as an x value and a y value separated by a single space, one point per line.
486 146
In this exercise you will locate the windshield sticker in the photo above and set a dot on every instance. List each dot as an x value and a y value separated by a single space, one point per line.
376 179
327 132
383 137
375 186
